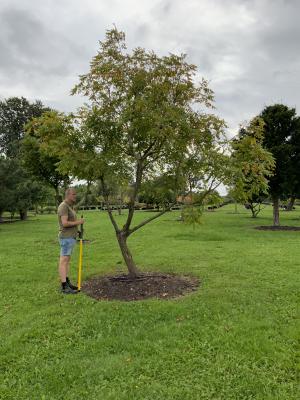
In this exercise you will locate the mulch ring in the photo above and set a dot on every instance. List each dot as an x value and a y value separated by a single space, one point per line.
278 228
147 285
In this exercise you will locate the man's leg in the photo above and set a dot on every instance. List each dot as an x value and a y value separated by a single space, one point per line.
63 269
64 265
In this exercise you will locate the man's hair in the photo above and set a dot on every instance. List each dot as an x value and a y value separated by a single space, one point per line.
69 190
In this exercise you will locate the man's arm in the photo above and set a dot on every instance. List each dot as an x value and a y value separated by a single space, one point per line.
69 224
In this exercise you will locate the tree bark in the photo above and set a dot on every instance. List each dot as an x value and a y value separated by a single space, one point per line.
132 268
255 209
291 203
276 211
57 197
254 215
23 215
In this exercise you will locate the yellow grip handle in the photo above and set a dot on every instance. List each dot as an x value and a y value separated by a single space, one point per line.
79 265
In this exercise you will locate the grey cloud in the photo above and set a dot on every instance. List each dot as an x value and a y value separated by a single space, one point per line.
31 50
248 49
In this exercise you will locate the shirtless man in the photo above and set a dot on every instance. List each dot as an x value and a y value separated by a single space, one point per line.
68 223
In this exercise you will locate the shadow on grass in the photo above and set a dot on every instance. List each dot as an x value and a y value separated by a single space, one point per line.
199 237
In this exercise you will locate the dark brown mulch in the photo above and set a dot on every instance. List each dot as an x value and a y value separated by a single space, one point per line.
278 228
147 285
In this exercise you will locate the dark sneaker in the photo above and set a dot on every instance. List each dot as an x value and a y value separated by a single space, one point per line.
71 286
68 290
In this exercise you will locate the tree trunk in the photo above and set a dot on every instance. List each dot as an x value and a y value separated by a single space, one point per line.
276 211
291 204
57 197
23 215
122 240
253 212
235 207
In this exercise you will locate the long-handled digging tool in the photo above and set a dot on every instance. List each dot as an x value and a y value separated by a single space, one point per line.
80 257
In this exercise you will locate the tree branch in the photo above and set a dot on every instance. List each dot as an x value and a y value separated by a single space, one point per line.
147 151
138 180
145 222
105 195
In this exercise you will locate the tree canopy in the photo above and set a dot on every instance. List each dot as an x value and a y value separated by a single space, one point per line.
147 115
15 112
253 165
19 189
281 133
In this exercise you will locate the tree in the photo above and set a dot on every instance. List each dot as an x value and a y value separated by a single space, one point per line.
27 194
206 165
207 162
142 120
282 130
253 166
18 192
15 112
9 177
214 200
295 164
36 160
158 191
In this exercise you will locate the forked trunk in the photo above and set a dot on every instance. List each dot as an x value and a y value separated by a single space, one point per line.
132 268
276 211
253 211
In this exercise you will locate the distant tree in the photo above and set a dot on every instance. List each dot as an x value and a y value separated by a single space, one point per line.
141 120
9 178
28 194
253 166
256 204
158 191
18 192
87 194
295 164
207 164
117 190
191 215
15 112
214 199
36 159
281 133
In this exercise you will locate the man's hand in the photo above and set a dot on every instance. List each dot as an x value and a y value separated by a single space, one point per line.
68 224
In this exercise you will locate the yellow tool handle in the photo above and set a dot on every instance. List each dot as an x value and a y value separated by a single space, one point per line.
79 265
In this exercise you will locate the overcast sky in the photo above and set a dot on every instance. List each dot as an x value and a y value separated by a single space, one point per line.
247 49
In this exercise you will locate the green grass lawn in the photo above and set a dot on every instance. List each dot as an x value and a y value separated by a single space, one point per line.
237 337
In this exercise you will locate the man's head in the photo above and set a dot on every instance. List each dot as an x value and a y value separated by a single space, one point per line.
70 195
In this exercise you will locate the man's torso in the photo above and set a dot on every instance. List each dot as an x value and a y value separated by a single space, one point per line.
65 209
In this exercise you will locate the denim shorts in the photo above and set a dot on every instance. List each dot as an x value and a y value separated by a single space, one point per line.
66 246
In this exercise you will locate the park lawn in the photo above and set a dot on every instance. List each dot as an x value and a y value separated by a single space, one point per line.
237 337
